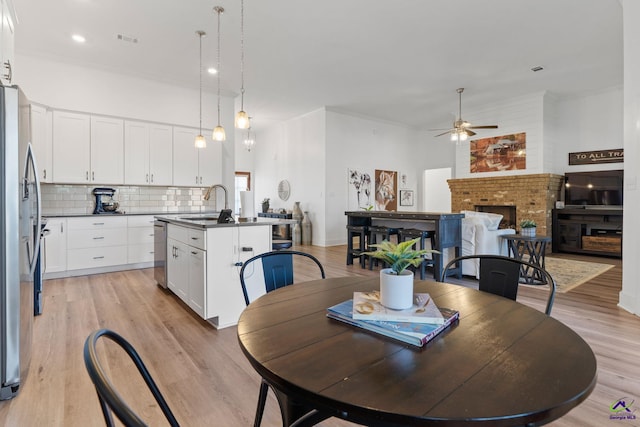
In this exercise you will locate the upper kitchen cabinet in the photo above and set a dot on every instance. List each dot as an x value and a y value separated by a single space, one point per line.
87 149
148 154
41 139
7 35
195 166
107 150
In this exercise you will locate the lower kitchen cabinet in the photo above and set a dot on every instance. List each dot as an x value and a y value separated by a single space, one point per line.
97 241
55 245
203 267
140 239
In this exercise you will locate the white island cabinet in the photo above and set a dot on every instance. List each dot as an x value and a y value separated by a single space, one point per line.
203 270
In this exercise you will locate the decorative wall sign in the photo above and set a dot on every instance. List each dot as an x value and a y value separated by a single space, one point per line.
592 157
500 153
406 197
386 190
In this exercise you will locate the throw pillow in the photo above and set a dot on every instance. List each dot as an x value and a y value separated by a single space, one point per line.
490 220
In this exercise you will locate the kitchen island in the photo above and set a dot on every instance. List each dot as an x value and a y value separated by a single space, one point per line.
204 258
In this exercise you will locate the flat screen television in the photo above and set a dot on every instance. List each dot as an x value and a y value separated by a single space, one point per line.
594 189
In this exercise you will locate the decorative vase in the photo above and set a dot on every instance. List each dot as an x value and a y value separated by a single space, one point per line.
296 234
265 207
396 290
528 232
297 212
306 229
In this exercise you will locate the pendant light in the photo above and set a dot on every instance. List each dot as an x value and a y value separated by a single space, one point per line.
218 132
242 118
200 141
249 140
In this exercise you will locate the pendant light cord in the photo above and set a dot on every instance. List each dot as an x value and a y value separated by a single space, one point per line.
242 55
200 33
219 10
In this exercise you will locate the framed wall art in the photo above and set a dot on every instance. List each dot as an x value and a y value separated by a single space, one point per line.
406 197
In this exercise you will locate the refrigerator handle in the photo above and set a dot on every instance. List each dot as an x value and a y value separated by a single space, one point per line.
31 162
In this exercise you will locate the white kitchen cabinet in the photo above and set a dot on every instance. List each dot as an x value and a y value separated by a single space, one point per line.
7 41
71 147
186 266
195 166
148 154
41 140
95 242
55 245
87 149
140 239
107 150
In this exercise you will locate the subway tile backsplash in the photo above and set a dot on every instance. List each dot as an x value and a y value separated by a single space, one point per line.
60 199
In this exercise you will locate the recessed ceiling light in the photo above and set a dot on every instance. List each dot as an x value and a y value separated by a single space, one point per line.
78 38
212 70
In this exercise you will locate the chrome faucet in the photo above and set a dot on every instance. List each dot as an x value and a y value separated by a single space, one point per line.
207 194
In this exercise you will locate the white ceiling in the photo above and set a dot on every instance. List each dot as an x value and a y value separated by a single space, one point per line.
395 60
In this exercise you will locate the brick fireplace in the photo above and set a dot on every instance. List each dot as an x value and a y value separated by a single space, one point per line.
533 196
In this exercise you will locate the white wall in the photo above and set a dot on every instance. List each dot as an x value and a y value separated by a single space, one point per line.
630 294
436 194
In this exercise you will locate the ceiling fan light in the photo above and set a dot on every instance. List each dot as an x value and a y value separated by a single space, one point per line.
463 136
219 134
200 142
242 120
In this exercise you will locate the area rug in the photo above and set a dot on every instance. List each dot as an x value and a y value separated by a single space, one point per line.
569 274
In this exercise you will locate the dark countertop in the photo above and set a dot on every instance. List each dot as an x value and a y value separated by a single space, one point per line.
191 220
429 216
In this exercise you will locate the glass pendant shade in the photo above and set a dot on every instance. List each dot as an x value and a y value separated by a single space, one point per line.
219 134
242 120
200 142
249 141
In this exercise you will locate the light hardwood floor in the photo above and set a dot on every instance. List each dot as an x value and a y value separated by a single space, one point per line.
207 380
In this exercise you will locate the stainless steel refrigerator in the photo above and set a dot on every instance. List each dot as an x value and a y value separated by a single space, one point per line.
19 239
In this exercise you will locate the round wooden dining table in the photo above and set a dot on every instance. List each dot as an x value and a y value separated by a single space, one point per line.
501 364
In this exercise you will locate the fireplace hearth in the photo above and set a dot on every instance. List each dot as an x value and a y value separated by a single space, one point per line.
531 196
508 214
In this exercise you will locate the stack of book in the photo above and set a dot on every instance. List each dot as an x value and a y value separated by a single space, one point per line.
416 325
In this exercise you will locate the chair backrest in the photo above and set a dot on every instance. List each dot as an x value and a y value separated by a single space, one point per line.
109 398
272 270
500 275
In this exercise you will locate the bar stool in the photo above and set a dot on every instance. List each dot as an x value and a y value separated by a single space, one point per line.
353 251
384 233
412 233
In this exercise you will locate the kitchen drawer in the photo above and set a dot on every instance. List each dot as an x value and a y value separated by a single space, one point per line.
96 222
140 253
96 257
190 236
139 235
79 239
140 221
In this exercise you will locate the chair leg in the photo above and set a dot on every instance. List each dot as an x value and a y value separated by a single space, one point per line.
262 400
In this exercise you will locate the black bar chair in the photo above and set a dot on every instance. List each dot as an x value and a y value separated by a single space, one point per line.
424 235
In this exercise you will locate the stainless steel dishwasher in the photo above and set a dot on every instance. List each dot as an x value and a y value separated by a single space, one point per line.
160 252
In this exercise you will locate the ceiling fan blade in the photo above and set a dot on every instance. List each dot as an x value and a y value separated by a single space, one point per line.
469 132
444 133
483 127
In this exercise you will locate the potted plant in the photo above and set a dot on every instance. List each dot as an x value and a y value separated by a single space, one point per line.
528 228
265 205
396 282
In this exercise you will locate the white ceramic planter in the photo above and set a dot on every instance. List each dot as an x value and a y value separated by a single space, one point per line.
396 290
528 232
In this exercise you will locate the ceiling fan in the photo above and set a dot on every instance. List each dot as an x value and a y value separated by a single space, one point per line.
462 129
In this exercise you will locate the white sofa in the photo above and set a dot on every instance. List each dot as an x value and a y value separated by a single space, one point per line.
480 236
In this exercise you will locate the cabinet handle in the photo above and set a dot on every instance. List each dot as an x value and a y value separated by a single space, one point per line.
98 257
44 174
146 179
86 175
9 74
195 238
196 179
151 178
194 252
98 223
151 235
98 238
247 249
93 176
62 227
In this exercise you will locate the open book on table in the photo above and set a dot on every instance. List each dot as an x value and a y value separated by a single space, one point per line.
417 334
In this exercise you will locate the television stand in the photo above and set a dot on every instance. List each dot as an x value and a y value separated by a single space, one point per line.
588 231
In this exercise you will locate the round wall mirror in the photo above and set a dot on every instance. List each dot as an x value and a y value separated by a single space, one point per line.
284 189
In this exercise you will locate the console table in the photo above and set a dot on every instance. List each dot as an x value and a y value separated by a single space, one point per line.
588 231
447 227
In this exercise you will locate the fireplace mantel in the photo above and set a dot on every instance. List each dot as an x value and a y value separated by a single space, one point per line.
534 196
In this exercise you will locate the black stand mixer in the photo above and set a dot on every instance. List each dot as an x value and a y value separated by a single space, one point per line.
104 201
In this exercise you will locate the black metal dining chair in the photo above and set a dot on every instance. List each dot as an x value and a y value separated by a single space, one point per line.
110 400
265 273
500 275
